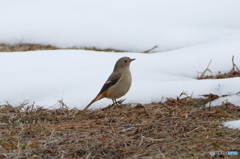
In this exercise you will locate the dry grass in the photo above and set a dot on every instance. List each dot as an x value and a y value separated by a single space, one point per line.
234 72
25 47
33 47
178 128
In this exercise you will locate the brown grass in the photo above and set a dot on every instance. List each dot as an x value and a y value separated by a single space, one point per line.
178 128
234 72
25 47
34 47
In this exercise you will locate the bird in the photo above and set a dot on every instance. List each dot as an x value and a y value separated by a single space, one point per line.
118 83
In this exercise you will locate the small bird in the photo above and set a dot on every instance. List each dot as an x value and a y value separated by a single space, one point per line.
118 83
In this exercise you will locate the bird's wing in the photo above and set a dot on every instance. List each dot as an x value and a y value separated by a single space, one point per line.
112 80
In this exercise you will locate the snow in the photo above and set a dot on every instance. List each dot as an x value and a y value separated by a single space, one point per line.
76 76
232 124
233 99
135 25
188 34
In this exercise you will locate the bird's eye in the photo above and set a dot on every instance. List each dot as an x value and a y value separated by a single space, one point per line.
125 61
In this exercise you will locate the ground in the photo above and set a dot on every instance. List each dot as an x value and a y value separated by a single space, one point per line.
177 128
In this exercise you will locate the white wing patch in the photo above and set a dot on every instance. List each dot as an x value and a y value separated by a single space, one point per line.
108 82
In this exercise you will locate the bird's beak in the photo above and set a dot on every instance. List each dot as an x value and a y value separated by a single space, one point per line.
132 60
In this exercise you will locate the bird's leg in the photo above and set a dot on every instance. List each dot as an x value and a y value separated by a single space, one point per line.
114 101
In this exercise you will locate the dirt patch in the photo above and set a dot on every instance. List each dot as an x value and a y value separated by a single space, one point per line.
178 128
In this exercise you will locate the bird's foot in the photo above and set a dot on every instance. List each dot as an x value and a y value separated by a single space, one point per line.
119 102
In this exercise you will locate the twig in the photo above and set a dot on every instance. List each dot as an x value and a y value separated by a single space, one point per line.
106 154
147 51
112 128
176 151
183 93
193 130
18 149
207 69
142 137
88 155
161 153
234 65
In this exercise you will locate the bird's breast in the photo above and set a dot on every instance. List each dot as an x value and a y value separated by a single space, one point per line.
121 87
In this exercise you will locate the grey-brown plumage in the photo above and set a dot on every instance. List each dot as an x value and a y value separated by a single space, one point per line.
118 83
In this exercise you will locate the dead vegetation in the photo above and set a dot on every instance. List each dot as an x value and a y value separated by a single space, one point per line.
177 128
25 47
33 47
234 72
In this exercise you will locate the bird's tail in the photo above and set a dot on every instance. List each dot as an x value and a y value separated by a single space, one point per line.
98 97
